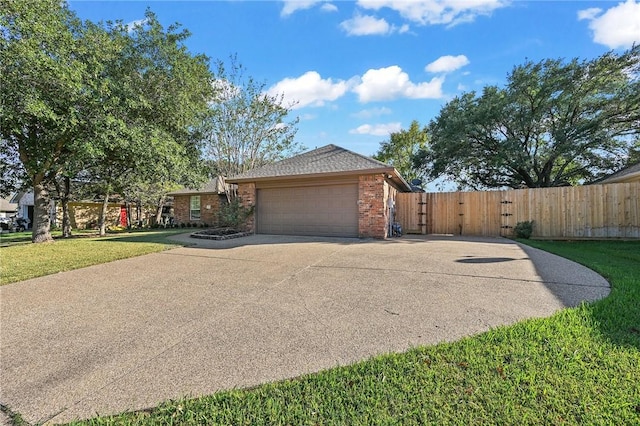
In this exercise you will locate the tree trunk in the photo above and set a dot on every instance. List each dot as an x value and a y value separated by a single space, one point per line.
41 226
64 199
138 213
127 206
159 209
103 214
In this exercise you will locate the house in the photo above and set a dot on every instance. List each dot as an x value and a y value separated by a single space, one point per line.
200 206
329 191
25 202
626 175
7 208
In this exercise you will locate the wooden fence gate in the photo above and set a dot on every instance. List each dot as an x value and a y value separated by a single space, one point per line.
593 211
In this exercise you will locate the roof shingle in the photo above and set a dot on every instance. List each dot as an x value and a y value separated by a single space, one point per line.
624 175
327 159
214 186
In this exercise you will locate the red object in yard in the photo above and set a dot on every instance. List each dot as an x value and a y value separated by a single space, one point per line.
123 216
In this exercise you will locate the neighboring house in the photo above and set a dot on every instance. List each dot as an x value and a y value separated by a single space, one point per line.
86 214
7 208
200 206
626 175
329 191
25 207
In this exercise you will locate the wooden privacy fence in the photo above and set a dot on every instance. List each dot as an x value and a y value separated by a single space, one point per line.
593 211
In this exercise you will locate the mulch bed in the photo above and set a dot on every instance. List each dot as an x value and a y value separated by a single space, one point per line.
219 234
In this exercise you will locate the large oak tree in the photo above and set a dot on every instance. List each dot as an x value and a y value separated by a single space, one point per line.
113 104
554 123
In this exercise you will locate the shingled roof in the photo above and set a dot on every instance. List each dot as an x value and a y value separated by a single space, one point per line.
329 159
214 186
628 174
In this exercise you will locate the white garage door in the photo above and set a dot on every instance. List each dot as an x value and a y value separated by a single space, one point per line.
328 210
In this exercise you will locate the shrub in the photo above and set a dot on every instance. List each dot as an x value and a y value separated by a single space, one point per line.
524 229
233 214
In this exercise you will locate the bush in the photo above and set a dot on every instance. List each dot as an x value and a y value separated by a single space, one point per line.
233 214
524 229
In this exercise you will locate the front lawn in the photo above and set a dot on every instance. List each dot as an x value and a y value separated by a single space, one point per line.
580 366
21 260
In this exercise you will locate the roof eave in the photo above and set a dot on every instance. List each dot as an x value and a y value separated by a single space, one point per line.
629 177
394 176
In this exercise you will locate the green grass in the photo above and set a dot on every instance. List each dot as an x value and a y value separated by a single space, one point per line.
20 260
580 366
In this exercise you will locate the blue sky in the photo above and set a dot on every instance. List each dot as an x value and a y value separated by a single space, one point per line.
362 69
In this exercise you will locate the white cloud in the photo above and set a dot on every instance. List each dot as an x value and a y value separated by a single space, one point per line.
137 23
373 112
432 12
617 27
589 14
328 7
291 6
309 90
365 25
377 129
392 83
448 63
404 29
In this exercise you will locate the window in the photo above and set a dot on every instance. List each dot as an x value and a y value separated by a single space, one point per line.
194 210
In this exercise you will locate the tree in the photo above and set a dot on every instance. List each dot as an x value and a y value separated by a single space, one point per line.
107 102
400 149
553 124
42 68
246 127
148 129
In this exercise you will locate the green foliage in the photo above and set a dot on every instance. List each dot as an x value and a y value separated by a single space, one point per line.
246 126
103 103
400 149
524 229
233 214
554 123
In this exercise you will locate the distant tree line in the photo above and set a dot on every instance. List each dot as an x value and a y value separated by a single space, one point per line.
110 108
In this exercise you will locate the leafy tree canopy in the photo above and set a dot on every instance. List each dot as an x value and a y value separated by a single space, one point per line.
400 149
554 123
114 104
246 127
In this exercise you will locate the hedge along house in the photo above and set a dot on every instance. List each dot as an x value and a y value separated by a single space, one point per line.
329 191
200 206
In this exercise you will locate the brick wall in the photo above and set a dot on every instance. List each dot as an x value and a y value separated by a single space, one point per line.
372 215
247 196
181 208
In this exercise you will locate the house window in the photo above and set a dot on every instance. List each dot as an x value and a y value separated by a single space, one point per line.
194 209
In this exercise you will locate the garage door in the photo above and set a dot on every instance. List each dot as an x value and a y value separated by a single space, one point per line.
328 210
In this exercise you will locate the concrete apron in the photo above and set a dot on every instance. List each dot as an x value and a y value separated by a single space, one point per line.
230 314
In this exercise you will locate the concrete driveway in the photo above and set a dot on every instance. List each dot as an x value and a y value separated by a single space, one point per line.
190 321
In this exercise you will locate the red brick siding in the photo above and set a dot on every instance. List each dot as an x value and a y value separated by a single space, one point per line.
181 208
247 196
372 215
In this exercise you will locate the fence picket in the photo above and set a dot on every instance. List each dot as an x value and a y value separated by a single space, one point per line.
602 211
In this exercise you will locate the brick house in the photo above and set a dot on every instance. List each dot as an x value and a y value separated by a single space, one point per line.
329 191
199 206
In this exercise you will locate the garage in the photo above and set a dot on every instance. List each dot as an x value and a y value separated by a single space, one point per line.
325 210
329 191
